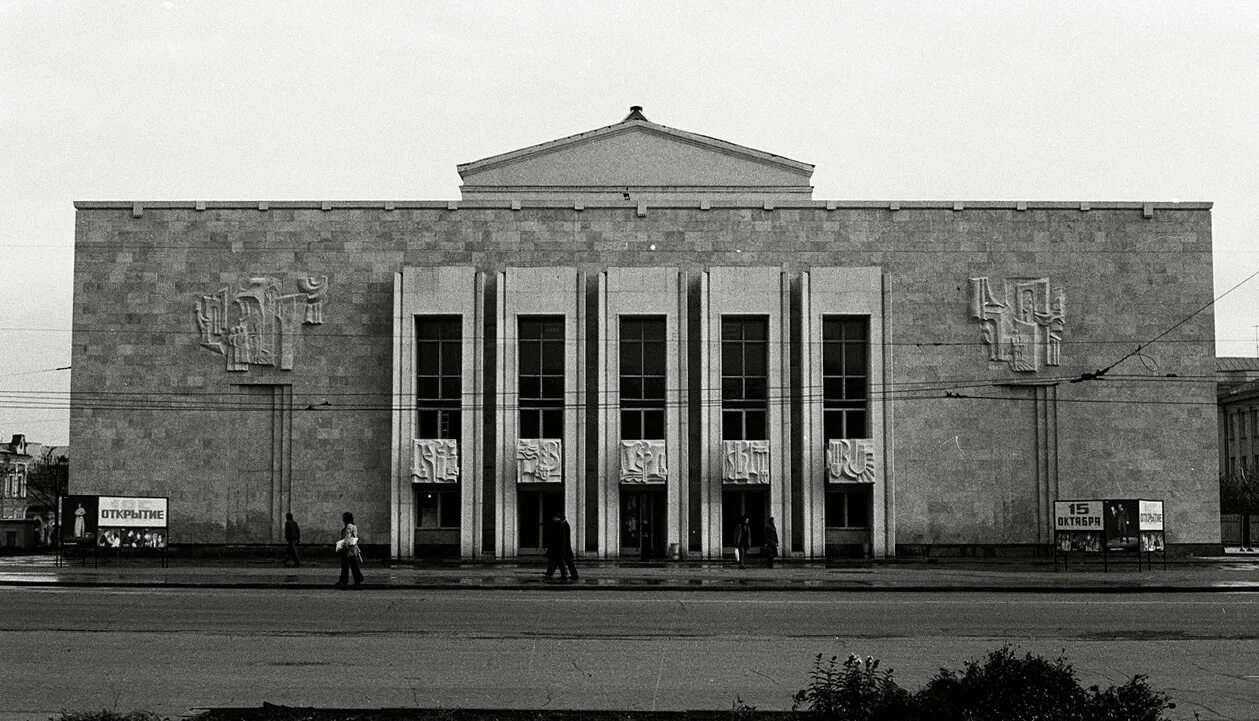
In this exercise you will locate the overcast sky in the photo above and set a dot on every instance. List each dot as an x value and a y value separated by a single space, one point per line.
314 100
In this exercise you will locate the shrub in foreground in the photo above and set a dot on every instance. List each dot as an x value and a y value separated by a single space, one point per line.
855 690
1002 687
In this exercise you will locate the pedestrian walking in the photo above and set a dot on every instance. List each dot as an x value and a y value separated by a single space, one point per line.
292 537
566 546
350 554
742 540
771 542
559 549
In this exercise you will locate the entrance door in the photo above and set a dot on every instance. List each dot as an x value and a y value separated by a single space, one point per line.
745 501
642 522
537 506
438 515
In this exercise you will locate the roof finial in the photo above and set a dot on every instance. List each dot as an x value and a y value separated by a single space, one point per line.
636 113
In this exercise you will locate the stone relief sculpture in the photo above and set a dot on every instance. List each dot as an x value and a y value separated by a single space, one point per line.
745 461
850 460
435 460
1024 326
266 324
539 460
314 289
643 462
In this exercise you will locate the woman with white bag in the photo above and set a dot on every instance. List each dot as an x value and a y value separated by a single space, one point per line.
348 548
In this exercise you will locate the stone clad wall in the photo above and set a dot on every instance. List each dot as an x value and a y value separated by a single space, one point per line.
965 470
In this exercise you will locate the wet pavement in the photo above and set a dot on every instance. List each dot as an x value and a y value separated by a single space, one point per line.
1235 572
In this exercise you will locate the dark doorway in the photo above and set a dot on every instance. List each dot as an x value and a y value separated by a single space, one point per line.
642 522
537 506
847 518
738 502
438 511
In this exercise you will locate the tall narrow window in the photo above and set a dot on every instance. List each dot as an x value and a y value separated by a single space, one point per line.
642 378
744 378
439 376
845 377
541 377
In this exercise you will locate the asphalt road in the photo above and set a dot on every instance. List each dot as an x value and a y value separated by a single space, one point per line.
174 649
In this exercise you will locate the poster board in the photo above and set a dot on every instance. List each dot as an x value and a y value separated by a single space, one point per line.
77 517
131 522
1113 525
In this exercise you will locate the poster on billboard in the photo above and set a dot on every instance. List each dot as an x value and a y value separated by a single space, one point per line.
78 516
1078 526
131 512
1151 518
132 538
1121 524
1150 524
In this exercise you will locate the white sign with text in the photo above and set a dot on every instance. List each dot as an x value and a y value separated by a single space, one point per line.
131 512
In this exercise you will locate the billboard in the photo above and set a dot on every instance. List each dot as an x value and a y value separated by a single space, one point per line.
1116 524
131 512
78 516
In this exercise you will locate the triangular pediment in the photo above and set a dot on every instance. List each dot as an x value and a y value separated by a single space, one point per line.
636 154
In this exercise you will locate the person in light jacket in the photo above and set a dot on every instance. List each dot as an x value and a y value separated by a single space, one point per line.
742 540
350 554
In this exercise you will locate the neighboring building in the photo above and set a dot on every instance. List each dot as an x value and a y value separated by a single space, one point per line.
652 332
15 461
1237 380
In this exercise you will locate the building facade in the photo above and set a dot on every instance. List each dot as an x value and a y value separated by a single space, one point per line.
652 333
15 462
1238 397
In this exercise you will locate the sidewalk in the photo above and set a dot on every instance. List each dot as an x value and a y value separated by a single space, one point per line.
1228 573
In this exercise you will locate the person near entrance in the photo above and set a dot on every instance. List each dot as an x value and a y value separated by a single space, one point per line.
292 537
350 554
559 549
742 540
771 542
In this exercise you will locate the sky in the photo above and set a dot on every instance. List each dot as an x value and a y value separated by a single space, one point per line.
114 100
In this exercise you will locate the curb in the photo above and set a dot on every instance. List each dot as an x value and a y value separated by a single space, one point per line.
719 586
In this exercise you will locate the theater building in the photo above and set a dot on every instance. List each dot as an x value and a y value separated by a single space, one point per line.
653 333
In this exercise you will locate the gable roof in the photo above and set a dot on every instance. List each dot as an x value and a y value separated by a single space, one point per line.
636 153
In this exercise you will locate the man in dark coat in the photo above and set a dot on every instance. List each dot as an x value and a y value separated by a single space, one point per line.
559 548
770 544
292 536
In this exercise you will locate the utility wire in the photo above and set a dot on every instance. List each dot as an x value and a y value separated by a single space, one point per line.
1097 374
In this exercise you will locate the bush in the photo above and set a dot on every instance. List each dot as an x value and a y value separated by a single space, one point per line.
1133 701
1002 687
855 690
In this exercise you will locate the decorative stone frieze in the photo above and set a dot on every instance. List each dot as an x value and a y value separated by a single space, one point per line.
850 460
745 461
435 460
539 460
266 324
1024 326
643 462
